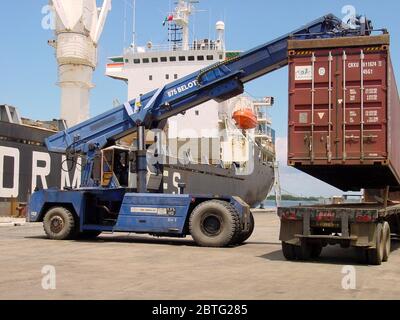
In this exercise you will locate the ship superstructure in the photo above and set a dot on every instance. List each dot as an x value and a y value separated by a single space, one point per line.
206 138
152 66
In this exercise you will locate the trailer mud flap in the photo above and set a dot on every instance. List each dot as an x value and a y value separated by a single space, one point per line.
288 231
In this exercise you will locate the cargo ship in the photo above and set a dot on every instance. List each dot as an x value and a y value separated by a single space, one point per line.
226 147
240 162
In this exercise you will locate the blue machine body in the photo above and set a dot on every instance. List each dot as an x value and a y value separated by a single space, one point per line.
162 214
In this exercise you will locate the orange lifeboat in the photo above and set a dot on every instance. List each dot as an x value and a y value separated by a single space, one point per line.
245 119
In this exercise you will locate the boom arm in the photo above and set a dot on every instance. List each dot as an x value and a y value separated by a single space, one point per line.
220 81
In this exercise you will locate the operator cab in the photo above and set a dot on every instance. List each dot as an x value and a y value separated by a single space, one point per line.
118 169
115 167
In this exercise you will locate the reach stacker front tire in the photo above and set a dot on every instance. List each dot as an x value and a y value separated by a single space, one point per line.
214 223
245 235
59 224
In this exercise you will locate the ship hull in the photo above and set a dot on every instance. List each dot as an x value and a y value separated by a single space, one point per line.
25 165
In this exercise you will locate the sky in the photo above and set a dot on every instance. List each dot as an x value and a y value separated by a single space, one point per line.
29 72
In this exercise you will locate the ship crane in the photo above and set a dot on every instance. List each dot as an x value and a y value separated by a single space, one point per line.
211 220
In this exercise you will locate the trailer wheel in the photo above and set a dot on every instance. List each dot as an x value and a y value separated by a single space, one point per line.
244 235
375 255
59 224
316 250
386 241
304 251
288 251
214 223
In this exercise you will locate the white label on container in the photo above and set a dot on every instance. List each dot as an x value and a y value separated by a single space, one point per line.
303 117
303 73
321 71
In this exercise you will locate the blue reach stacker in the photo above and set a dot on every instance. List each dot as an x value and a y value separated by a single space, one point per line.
212 220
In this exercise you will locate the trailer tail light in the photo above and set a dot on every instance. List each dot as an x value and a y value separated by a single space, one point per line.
325 216
289 215
362 217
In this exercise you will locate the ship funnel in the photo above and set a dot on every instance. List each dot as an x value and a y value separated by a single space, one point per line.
220 27
79 25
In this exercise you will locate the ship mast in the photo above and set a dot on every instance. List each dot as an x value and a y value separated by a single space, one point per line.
181 18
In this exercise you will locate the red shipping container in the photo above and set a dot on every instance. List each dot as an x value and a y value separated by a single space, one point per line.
344 112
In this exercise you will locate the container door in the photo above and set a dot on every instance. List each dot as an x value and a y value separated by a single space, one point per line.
312 94
361 106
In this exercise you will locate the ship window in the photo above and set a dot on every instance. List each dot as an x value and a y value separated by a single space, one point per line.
221 56
163 59
146 60
136 61
210 57
155 60
182 58
197 112
151 78
167 76
126 60
175 76
172 58
191 58
200 58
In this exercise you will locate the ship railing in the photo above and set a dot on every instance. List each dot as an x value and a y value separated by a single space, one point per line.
197 46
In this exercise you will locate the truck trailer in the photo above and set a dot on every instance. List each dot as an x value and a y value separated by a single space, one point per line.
344 114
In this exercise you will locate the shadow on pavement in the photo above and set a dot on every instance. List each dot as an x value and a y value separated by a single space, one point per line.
330 255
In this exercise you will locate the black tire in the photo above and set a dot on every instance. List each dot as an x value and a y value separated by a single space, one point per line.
303 252
59 224
87 235
386 241
375 255
214 223
245 235
316 250
288 251
362 255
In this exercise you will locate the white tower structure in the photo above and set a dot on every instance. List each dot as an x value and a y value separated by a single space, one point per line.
79 25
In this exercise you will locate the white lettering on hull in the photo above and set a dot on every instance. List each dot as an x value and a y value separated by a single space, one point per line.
41 172
15 155
65 179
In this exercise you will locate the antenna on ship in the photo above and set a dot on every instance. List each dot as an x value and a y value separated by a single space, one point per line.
179 23
133 45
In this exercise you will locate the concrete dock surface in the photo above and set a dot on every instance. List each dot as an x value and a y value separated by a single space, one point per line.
129 266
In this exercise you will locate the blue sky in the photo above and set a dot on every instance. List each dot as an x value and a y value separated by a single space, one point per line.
29 70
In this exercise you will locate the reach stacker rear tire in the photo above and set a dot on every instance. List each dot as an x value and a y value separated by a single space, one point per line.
214 223
59 224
